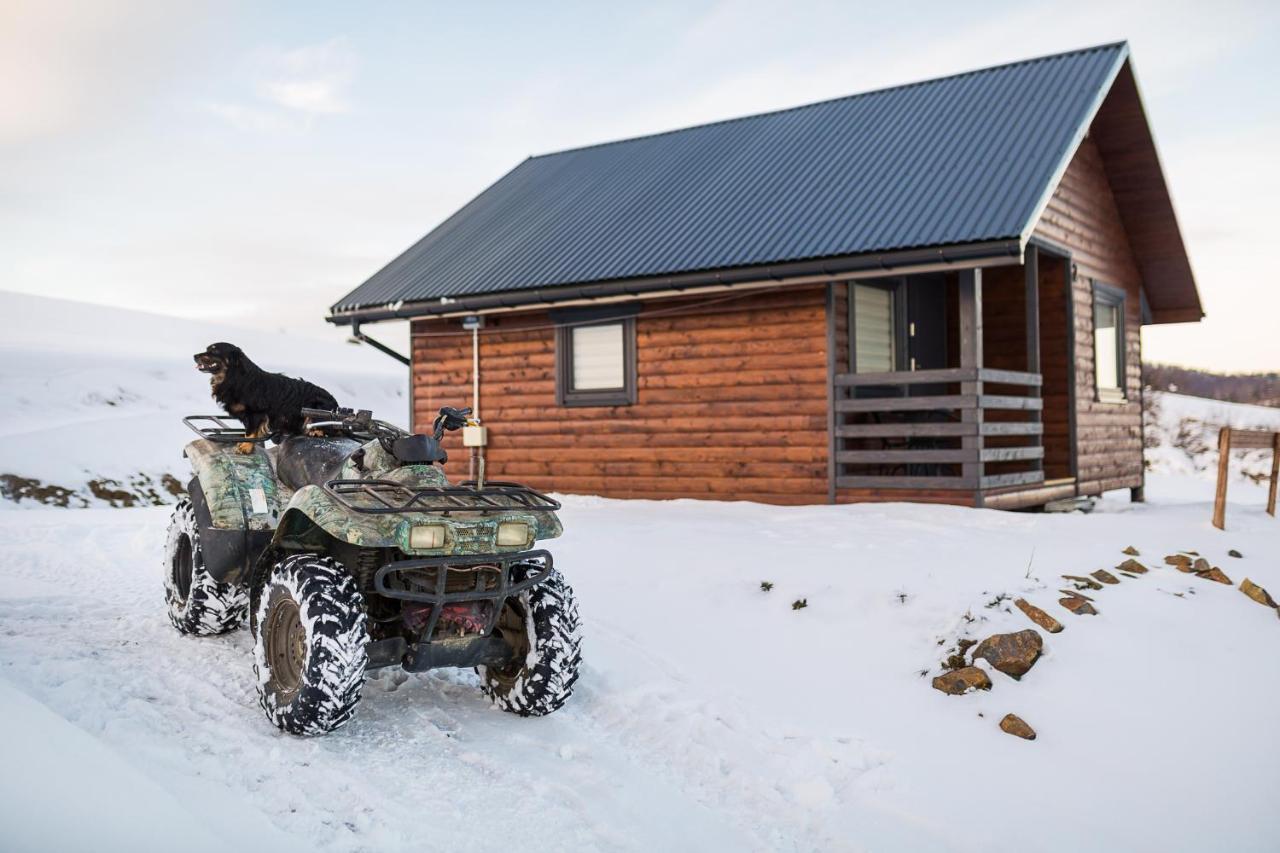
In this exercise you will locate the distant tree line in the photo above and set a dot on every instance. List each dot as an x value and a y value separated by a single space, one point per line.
1261 389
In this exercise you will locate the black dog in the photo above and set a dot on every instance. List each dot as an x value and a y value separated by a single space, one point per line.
266 403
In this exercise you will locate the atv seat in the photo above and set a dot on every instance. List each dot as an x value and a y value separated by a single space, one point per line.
307 461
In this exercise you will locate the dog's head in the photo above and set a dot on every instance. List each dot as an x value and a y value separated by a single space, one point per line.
218 358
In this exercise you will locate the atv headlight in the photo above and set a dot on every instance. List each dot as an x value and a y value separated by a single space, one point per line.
424 537
513 533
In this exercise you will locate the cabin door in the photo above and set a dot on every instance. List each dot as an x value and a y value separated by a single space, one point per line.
926 322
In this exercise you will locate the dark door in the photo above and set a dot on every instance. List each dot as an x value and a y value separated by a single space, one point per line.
926 322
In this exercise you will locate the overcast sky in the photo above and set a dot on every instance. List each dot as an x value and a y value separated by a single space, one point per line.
254 162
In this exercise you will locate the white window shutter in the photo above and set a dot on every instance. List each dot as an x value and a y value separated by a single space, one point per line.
874 328
599 362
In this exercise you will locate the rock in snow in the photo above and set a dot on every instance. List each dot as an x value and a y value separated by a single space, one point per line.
1038 616
1181 562
960 681
1078 605
1015 725
1104 576
1012 654
1215 574
1257 593
1083 583
1132 566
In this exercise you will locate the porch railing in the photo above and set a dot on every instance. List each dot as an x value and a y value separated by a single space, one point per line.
959 428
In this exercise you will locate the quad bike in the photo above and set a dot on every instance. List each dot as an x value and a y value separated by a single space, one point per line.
349 550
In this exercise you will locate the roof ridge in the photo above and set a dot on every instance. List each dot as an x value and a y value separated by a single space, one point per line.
1123 43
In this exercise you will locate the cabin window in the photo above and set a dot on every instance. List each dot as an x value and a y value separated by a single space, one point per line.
596 363
1108 343
875 336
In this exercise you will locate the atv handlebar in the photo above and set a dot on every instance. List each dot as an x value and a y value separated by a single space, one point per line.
361 423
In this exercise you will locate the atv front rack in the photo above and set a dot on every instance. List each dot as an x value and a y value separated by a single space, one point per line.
485 578
381 497
221 431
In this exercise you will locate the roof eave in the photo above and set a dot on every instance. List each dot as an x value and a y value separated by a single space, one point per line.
797 272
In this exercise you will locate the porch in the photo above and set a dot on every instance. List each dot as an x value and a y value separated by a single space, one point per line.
967 413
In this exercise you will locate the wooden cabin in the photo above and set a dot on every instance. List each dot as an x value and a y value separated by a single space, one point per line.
932 292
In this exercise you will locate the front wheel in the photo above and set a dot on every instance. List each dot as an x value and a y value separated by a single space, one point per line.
197 604
309 652
542 626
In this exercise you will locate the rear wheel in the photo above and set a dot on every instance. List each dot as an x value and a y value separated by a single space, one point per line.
309 652
197 604
542 626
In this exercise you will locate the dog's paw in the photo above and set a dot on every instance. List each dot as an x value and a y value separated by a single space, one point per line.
245 447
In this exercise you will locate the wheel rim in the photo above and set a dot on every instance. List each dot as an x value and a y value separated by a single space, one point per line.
286 646
512 623
182 568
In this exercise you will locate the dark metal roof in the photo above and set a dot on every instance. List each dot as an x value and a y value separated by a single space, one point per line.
949 162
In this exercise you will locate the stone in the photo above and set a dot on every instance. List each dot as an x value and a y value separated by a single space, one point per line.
1181 562
1104 576
1013 654
957 660
1132 566
1073 594
957 682
1215 574
1015 725
1131 551
1200 565
1083 583
1234 553
1038 616
1257 593
1078 605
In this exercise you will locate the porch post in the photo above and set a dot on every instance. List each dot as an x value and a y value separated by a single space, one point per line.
1032 267
971 357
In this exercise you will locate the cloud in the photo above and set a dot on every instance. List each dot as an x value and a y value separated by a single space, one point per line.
314 79
291 87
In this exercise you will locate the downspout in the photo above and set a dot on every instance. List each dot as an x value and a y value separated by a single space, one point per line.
378 345
358 335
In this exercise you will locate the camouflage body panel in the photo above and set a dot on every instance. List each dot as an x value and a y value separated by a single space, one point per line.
466 533
240 488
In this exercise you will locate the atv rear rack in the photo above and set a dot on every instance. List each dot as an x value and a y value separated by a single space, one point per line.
221 431
382 497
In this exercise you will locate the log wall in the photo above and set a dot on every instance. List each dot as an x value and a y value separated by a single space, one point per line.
732 401
1082 216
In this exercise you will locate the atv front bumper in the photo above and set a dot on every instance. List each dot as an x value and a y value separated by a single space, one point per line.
436 582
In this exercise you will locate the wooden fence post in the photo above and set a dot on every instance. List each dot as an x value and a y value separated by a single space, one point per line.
1220 497
1275 473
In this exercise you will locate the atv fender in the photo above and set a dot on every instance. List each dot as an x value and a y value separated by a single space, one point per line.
237 503
313 510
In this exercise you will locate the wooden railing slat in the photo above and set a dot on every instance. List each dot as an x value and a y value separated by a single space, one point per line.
889 457
908 404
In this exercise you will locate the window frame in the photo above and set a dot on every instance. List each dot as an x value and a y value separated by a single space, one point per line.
566 394
1113 297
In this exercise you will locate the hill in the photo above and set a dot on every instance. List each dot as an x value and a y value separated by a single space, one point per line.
91 397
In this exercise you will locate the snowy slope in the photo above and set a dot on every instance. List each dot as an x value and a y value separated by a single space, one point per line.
1184 432
710 714
91 397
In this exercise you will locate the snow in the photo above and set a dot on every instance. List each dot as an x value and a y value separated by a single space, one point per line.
709 715
95 393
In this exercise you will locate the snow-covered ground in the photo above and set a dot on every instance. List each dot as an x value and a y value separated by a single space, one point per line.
710 715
